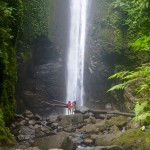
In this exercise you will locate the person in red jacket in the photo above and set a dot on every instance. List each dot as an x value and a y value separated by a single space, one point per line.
69 107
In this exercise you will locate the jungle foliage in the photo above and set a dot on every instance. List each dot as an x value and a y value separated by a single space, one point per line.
132 20
35 23
10 18
35 19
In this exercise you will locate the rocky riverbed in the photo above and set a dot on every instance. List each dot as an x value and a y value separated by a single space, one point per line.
79 131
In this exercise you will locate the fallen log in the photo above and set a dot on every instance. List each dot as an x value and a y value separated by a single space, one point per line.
111 112
55 105
58 102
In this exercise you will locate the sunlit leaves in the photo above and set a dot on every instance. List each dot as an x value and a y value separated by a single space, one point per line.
140 107
142 43
140 78
119 87
35 19
141 113
130 17
142 4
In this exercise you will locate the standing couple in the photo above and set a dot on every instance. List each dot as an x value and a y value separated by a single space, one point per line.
71 107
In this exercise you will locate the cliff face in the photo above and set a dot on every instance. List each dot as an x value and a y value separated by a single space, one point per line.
99 58
42 57
41 65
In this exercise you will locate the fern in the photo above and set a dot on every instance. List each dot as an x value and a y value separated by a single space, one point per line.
142 87
140 78
139 108
142 112
119 87
119 75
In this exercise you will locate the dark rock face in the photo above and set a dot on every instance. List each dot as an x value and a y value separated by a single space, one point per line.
98 64
44 79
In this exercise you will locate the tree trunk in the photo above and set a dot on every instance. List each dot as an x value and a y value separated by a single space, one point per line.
111 112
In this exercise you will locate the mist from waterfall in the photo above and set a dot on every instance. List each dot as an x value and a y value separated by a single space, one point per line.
76 49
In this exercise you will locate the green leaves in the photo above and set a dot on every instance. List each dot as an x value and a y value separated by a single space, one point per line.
141 44
141 111
119 87
119 75
140 78
142 4
35 19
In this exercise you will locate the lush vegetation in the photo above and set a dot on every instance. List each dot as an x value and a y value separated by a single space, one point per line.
21 22
35 19
130 140
10 11
131 23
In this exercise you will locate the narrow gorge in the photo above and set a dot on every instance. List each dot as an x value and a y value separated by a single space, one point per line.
94 53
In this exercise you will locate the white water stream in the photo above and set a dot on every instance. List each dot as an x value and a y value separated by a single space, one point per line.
76 49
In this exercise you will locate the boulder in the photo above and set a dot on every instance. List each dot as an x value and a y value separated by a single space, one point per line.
101 125
105 139
114 129
25 133
67 120
59 141
18 117
92 119
37 117
28 114
82 109
70 129
119 121
90 129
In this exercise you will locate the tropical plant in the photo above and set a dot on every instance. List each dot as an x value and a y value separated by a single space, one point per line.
140 78
132 17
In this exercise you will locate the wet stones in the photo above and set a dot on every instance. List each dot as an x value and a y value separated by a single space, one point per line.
67 131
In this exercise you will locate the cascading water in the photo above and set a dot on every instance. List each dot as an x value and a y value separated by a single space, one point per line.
76 48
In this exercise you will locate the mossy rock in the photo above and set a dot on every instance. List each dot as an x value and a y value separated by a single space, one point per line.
105 139
90 129
132 139
66 120
119 121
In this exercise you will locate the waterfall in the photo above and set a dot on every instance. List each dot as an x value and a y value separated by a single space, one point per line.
76 48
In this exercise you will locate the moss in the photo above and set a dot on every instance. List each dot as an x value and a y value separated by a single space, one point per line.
26 56
133 139
8 86
10 17
5 136
119 121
